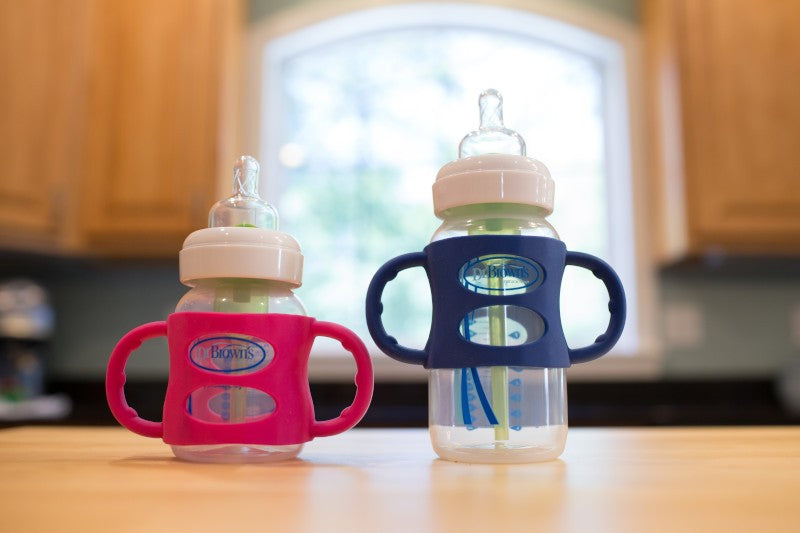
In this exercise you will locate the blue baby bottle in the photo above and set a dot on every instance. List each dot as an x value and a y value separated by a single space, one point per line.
496 352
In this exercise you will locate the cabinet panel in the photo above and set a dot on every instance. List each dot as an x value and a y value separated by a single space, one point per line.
116 116
42 58
741 80
733 66
154 114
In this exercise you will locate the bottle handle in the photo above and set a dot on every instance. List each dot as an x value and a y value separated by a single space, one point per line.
616 307
364 380
374 308
115 380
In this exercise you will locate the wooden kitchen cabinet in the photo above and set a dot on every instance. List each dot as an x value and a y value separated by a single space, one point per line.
724 80
41 105
136 144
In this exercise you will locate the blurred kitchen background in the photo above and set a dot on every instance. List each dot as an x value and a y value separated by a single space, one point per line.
671 128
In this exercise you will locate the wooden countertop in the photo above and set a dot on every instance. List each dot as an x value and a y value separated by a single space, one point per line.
107 479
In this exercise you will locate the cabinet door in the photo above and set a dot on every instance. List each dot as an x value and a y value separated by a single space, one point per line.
155 121
42 61
739 70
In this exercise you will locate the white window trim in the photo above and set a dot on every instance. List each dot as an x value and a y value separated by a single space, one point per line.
576 26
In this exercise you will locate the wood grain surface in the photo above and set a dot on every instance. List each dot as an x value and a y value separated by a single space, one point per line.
703 479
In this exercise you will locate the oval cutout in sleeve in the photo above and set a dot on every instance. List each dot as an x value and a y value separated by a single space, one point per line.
229 404
502 325
501 274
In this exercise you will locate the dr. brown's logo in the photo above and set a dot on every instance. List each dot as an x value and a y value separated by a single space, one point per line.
230 353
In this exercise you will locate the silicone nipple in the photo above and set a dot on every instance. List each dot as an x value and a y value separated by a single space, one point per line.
492 137
245 208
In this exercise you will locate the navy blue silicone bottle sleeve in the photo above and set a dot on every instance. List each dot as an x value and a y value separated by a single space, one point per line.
374 308
616 307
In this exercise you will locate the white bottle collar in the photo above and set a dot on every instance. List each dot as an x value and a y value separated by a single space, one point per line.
233 252
493 178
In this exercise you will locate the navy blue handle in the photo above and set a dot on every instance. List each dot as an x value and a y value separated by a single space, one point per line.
616 306
374 308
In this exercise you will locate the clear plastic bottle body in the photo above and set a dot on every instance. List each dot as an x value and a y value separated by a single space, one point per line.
236 404
527 405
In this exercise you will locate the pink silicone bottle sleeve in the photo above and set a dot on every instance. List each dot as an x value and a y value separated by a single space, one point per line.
127 416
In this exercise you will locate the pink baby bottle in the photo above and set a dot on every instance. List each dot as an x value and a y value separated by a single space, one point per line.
239 343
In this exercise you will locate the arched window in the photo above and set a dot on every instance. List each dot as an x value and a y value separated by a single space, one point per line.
357 112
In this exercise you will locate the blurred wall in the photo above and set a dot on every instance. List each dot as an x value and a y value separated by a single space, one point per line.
730 320
96 303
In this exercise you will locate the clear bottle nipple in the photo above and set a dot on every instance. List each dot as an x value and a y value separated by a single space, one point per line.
245 208
492 137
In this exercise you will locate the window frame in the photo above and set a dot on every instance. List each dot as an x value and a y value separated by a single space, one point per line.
567 25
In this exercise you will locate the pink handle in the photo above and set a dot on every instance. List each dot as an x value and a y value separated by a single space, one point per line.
364 380
115 380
